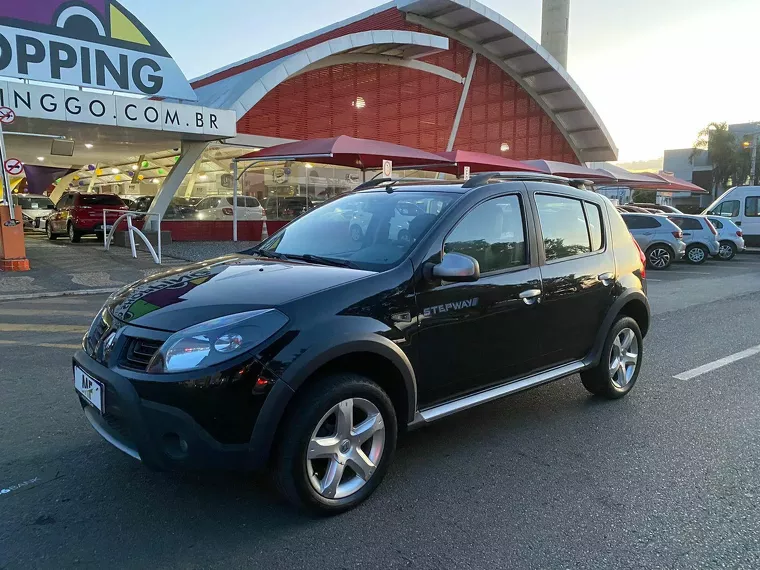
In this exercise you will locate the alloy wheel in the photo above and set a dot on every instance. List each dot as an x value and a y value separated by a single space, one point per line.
659 258
726 251
696 255
623 358
345 448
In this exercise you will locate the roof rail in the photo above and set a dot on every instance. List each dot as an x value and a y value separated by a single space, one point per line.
388 182
495 177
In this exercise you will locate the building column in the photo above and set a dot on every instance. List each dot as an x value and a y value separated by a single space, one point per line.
189 155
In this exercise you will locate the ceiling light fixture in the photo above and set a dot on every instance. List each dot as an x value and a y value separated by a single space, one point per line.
88 145
504 147
359 103
115 170
41 158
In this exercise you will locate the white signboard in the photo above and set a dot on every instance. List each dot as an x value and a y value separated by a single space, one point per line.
466 172
387 168
38 102
86 43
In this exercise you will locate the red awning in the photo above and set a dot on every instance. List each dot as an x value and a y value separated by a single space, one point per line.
348 151
624 177
479 162
568 170
670 183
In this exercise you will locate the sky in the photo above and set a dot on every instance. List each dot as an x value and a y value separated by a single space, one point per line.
657 71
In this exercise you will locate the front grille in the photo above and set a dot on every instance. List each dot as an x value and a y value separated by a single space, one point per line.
139 351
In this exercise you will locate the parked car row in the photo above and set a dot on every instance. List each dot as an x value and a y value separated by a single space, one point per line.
666 239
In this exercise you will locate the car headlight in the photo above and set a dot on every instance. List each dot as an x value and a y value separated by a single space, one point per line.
26 218
216 341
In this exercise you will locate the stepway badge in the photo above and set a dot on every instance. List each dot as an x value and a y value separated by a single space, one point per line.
88 43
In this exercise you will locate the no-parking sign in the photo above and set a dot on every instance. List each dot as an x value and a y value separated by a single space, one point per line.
7 115
14 166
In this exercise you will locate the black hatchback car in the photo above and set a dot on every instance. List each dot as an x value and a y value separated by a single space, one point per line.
312 352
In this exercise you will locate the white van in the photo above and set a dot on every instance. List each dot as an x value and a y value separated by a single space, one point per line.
742 205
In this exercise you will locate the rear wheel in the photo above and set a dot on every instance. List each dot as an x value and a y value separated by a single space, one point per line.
74 235
49 231
660 257
727 251
619 367
336 444
697 254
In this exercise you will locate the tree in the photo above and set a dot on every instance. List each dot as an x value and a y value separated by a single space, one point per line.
723 153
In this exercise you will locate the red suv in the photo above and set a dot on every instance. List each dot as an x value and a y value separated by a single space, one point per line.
80 214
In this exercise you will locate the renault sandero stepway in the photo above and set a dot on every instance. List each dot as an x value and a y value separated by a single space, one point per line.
311 353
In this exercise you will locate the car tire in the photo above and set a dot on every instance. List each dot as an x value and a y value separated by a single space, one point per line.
660 257
49 231
696 254
74 235
727 251
620 364
356 233
306 482
403 236
99 236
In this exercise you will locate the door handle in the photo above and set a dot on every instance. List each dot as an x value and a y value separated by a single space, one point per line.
531 296
607 279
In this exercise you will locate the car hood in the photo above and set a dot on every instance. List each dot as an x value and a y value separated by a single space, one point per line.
37 213
176 299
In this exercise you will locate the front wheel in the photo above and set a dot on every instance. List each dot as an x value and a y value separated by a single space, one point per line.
696 254
74 235
727 251
619 367
49 231
336 444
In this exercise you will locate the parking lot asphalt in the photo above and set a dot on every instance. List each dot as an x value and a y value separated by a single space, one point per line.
550 478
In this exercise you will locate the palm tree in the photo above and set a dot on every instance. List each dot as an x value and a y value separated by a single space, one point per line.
722 150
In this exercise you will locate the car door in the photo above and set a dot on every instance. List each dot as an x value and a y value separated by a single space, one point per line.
474 335
578 276
751 221
61 213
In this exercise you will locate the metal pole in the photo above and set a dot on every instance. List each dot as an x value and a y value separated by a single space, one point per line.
753 169
234 200
7 192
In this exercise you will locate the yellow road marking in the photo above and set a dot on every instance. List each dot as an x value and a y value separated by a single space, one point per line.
14 327
42 344
53 313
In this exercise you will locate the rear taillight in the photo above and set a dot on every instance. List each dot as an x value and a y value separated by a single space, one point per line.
642 258
678 234
712 227
227 211
740 233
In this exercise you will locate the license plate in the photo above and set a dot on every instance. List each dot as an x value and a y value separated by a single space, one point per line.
92 390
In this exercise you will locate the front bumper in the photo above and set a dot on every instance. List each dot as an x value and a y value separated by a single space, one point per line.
166 437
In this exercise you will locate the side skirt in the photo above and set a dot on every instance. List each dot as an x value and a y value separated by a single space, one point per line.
441 411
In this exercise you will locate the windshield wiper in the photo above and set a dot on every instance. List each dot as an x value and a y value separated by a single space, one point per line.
325 260
264 253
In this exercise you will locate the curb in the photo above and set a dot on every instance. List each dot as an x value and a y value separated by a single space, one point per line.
45 294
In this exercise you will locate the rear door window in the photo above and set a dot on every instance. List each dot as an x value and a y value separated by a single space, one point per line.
564 228
752 206
717 223
99 200
595 226
688 224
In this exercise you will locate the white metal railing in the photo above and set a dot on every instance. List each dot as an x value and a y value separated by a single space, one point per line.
131 229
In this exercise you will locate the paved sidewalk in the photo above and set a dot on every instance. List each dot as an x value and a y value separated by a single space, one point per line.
63 267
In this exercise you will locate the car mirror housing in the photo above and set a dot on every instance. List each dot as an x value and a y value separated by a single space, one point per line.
457 268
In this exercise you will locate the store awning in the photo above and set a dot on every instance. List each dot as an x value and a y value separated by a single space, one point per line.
624 177
479 162
568 170
670 183
351 152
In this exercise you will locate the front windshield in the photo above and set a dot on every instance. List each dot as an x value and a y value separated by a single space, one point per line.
370 230
33 203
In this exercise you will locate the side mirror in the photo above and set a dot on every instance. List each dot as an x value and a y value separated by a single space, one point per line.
457 268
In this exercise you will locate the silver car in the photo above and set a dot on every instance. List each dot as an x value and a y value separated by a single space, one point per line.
700 236
730 236
658 238
34 209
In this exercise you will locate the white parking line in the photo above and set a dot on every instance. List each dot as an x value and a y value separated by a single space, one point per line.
689 272
704 369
